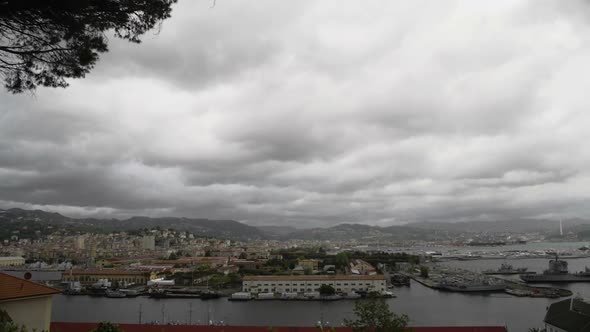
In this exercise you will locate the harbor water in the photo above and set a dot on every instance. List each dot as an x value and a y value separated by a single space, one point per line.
423 305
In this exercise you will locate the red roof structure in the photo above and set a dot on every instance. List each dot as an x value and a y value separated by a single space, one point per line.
85 327
12 288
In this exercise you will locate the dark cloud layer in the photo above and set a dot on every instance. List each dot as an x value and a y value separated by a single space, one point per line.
307 114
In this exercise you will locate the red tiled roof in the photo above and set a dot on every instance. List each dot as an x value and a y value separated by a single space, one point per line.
100 272
16 288
85 327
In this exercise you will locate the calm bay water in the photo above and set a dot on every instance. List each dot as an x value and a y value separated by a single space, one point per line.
424 306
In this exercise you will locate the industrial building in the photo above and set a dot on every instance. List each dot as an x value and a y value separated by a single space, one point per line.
310 283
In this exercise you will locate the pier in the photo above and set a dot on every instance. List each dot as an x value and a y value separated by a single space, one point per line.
467 281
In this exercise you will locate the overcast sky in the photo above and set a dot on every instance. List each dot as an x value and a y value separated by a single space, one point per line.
314 113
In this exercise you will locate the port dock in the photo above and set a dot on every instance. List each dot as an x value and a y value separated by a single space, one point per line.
464 281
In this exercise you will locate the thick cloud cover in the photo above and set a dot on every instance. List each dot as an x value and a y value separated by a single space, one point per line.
316 113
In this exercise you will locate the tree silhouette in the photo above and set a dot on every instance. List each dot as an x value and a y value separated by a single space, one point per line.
43 42
107 327
7 325
373 315
327 290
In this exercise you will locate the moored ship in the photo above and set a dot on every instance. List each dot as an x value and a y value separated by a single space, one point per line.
477 285
474 288
506 268
557 272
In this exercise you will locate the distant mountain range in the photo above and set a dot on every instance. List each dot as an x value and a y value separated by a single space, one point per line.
229 229
232 229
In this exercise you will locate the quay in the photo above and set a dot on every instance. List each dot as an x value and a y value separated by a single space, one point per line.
458 280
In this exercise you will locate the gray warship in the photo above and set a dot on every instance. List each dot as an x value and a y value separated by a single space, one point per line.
557 272
507 269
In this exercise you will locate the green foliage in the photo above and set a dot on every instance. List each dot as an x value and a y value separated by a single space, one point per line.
4 317
203 268
107 327
373 315
536 329
45 42
424 272
254 272
224 281
7 325
327 290
325 328
342 260
234 278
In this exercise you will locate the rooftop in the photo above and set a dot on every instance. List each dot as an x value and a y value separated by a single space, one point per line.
104 272
314 278
571 315
10 258
12 288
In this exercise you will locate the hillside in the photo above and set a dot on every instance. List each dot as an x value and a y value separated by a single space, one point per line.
14 219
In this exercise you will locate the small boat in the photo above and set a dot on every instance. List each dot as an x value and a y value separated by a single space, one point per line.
130 292
207 295
266 296
240 296
387 294
114 294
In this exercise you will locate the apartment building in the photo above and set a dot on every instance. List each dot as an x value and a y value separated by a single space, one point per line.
302 283
12 261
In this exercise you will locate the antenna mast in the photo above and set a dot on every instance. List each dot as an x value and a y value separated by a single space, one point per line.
560 227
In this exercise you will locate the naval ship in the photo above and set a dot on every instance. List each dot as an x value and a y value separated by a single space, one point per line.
557 272
472 285
507 269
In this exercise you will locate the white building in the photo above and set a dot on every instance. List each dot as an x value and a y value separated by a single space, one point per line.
12 261
308 283
80 242
148 242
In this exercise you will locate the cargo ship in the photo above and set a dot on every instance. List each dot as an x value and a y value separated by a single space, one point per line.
557 272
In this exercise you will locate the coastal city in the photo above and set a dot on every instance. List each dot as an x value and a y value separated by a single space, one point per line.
158 263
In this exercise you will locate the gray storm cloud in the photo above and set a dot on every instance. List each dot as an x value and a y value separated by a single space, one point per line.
313 114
